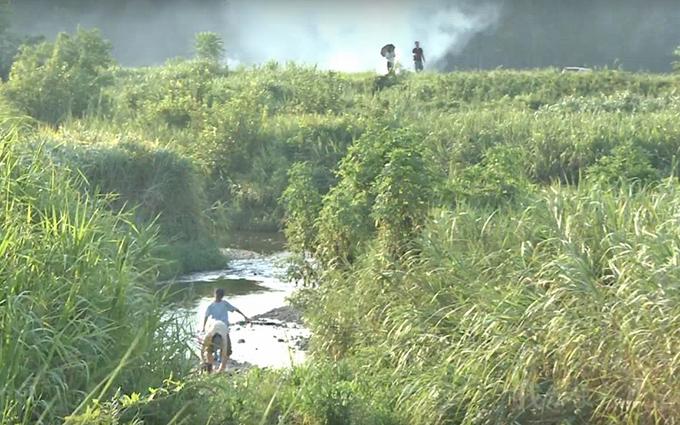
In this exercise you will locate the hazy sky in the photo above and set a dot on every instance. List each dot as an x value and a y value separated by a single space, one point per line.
341 35
347 35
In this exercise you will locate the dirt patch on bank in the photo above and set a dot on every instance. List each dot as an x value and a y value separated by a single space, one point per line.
285 314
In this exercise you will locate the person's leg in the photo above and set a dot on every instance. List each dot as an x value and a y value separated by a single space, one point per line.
215 350
225 353
209 360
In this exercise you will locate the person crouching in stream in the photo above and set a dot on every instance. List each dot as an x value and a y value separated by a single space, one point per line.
216 331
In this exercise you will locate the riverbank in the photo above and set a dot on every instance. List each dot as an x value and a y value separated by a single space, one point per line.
286 313
490 247
281 320
257 284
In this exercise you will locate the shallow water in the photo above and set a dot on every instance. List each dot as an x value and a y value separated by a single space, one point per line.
263 243
255 286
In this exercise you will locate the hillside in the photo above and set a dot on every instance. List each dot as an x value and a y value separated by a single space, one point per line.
490 247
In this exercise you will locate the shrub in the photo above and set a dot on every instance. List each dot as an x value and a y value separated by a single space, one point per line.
302 203
209 46
520 313
155 185
386 184
497 180
78 316
627 162
53 81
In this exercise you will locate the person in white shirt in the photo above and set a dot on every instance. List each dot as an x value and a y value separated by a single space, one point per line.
216 331
391 56
388 52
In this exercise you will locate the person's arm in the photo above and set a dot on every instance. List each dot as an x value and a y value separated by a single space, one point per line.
205 318
241 313
422 55
233 308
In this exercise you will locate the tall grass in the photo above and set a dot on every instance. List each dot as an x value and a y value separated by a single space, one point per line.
493 247
76 311
563 312
152 183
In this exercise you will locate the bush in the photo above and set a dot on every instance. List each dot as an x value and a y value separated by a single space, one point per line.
209 46
498 180
155 185
54 81
302 203
77 312
626 162
520 313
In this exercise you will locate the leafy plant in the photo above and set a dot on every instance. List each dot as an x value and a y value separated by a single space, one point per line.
76 308
54 81
626 162
209 46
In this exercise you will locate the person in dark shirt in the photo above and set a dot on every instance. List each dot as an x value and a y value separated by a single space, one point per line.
418 57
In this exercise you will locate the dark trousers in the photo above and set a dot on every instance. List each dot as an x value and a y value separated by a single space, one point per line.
419 65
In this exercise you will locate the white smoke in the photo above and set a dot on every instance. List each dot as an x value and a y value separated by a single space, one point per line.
338 35
347 36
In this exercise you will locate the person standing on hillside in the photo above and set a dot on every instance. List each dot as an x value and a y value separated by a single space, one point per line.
388 52
217 330
418 57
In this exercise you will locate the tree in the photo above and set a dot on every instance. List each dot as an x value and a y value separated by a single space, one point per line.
52 81
209 46
386 189
302 201
8 45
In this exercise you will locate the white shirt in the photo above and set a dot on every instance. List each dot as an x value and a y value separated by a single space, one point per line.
214 327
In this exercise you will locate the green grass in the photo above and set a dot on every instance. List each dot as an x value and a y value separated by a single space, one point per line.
76 309
563 311
154 184
491 247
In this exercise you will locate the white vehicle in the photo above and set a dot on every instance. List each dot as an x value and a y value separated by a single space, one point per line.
576 69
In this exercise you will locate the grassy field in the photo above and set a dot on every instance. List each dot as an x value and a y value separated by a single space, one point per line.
491 247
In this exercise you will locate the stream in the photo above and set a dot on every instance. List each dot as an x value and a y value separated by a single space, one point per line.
256 284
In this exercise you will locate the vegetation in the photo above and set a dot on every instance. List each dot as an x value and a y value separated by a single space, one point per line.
209 46
77 314
55 81
552 312
8 46
488 247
